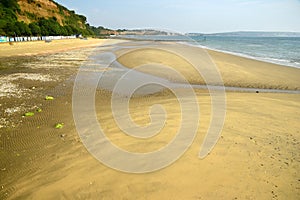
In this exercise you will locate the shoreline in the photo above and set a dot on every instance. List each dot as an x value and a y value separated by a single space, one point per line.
94 42
249 57
267 60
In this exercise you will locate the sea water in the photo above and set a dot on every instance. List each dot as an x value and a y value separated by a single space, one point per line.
279 50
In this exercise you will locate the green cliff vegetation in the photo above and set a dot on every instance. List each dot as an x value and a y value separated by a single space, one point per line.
43 18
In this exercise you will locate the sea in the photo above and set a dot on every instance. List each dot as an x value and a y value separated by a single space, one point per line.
283 50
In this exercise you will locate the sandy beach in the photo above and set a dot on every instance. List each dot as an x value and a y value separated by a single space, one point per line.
257 156
41 47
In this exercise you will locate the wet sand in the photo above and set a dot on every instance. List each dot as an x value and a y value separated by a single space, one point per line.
235 71
257 156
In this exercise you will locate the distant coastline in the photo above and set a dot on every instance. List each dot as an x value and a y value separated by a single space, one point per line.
248 34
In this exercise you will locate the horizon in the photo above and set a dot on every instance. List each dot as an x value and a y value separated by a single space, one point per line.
249 31
192 17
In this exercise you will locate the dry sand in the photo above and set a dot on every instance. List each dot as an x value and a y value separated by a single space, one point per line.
257 156
41 47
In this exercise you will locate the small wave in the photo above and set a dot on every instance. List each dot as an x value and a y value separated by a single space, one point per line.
254 45
297 61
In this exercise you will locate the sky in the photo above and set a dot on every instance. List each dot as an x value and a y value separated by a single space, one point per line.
183 16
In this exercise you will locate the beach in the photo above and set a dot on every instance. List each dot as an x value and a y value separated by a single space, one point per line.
256 157
42 47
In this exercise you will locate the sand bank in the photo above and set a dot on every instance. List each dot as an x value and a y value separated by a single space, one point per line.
235 70
257 156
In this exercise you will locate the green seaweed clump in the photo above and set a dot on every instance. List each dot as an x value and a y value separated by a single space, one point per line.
28 114
49 98
59 125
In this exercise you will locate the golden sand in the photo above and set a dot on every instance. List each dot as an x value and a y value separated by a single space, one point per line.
257 156
41 47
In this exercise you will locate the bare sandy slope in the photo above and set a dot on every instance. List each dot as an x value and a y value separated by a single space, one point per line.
257 156
235 70
41 47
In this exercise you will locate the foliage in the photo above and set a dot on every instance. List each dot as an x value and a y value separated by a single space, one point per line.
10 26
10 4
100 31
71 24
35 29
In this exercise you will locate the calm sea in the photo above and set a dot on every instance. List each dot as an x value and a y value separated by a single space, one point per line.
280 50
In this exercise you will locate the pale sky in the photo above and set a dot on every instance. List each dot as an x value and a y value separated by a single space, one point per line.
204 16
